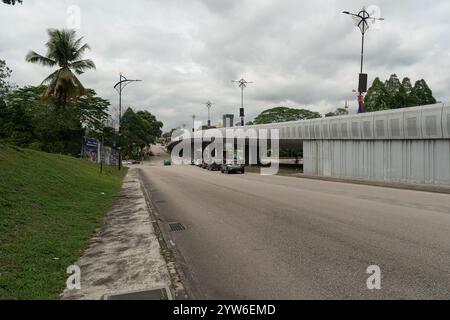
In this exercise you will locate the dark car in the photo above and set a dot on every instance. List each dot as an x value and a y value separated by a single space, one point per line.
233 168
214 166
204 165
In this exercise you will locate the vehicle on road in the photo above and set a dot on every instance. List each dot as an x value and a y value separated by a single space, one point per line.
167 162
214 166
198 162
233 168
204 165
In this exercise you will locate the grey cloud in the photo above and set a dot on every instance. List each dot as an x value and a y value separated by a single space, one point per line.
303 54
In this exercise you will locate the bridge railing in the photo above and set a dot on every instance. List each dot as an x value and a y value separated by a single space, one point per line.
415 123
423 122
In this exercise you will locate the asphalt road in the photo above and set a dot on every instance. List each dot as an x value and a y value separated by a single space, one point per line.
273 237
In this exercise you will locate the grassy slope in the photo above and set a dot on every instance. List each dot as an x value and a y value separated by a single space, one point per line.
49 207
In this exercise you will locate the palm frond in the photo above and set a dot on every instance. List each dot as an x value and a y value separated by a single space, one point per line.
82 65
34 57
65 50
79 51
51 77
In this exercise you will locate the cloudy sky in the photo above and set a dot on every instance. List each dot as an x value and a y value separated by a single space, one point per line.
297 53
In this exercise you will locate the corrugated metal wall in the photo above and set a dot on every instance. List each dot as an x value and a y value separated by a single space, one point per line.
405 161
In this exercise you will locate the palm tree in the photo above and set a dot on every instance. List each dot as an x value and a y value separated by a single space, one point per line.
64 51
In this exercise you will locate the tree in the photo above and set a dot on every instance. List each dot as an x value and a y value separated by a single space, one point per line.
5 74
17 115
109 136
423 93
411 99
138 130
377 97
338 112
152 126
93 111
393 94
28 121
64 51
13 2
396 96
284 114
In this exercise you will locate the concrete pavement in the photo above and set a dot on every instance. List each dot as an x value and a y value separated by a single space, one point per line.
273 237
124 255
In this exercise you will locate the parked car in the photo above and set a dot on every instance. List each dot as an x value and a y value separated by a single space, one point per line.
233 168
214 166
204 165
167 162
198 163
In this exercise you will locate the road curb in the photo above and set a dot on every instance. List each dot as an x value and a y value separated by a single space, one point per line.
420 187
167 247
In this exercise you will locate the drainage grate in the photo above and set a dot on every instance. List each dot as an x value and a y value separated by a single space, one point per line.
155 294
176 227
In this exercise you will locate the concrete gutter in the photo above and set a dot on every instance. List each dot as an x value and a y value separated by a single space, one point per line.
124 255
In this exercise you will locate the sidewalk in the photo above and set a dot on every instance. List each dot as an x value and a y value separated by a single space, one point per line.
384 184
124 255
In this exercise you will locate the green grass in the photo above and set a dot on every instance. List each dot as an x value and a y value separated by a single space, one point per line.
49 207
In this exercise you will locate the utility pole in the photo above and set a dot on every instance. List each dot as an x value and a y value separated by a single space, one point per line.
119 86
362 20
209 104
242 85
102 150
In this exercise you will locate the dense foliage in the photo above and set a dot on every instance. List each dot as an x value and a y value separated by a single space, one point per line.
28 121
338 112
284 114
393 94
138 131
5 74
13 2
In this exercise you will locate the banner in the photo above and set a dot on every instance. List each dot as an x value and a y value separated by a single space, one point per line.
90 149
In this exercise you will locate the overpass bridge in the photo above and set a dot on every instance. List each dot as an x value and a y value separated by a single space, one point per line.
408 145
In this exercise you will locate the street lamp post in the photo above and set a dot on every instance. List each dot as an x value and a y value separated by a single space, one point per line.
193 123
209 105
119 86
242 85
362 20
